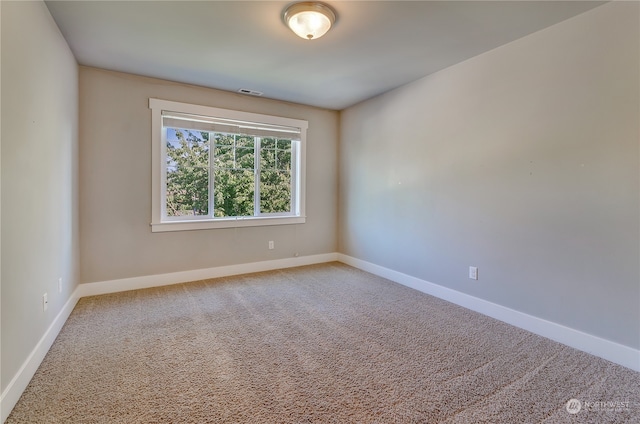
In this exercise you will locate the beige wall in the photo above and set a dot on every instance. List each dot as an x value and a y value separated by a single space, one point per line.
39 177
115 184
523 161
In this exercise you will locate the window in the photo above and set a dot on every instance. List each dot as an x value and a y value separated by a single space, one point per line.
217 168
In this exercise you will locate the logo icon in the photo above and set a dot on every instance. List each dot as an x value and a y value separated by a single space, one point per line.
574 406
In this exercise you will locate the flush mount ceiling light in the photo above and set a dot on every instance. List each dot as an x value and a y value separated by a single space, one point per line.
309 19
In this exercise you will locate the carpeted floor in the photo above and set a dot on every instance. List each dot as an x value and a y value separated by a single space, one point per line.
319 344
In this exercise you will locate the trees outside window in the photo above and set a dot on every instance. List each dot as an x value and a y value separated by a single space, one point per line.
225 170
196 159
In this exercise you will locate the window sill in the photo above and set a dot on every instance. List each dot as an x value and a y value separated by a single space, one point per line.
209 224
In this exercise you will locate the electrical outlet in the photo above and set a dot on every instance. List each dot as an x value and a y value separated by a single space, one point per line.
45 302
271 245
60 285
473 272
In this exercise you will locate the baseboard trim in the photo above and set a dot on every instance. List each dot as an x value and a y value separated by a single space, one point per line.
606 349
591 344
19 383
148 281
21 380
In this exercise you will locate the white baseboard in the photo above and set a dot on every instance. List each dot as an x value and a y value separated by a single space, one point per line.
594 345
147 281
19 382
606 349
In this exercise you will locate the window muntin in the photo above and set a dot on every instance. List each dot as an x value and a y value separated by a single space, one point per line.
220 168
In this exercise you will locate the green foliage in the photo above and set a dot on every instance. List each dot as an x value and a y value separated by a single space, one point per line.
233 185
275 176
233 174
188 174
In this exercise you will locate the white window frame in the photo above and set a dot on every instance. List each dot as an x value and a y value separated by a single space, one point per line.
160 222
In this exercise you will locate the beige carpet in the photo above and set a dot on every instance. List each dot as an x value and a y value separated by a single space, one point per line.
318 344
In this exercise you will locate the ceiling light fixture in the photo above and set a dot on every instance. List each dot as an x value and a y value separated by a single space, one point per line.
309 19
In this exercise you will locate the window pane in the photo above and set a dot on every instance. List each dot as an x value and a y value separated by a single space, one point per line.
187 191
275 191
283 160
223 139
268 143
233 191
244 141
267 158
187 148
284 144
224 157
234 152
245 158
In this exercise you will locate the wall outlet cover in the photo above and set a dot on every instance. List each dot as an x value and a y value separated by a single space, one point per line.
473 272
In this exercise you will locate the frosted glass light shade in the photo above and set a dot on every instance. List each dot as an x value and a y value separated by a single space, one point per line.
309 20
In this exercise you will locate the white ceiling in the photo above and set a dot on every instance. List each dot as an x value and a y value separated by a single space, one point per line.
375 45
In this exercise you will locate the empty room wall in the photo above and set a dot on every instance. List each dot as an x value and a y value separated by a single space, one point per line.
524 162
39 179
115 184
